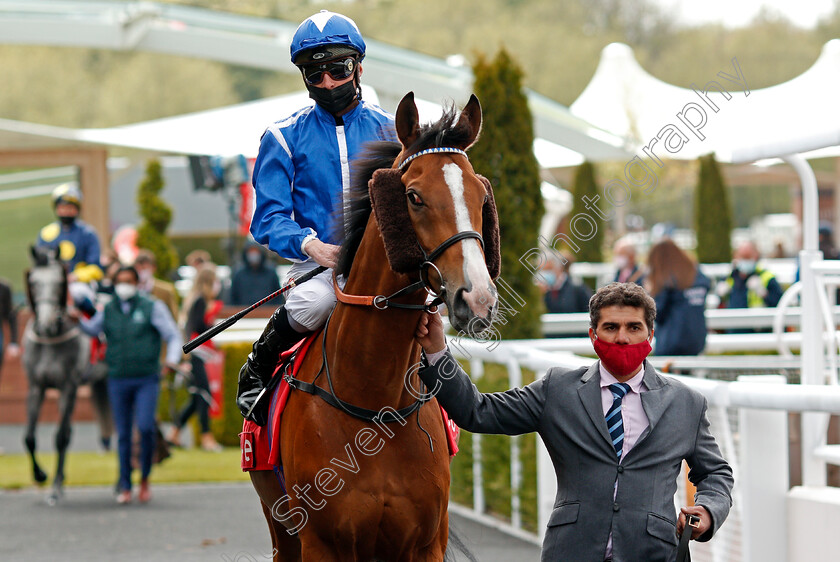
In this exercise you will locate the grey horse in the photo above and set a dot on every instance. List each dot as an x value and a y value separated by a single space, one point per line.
56 354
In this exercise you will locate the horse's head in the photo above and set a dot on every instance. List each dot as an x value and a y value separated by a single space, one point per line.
46 289
438 217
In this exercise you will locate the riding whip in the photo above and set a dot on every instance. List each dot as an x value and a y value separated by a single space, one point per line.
231 320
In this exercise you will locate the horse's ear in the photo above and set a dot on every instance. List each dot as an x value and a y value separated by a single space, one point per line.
33 251
407 120
490 232
471 115
387 197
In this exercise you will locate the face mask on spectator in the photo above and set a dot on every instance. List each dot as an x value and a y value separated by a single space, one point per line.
745 266
620 262
253 258
125 291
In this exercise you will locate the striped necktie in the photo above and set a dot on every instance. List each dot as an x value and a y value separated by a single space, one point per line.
615 424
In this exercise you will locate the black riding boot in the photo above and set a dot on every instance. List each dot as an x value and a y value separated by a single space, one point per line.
254 375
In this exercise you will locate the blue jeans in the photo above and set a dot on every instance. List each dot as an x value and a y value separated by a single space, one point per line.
134 403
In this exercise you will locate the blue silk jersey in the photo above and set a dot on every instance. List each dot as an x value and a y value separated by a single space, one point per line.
303 168
78 247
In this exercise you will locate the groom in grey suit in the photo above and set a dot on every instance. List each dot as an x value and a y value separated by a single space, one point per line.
617 433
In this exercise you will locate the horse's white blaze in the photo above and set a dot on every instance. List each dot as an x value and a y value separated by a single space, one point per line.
480 298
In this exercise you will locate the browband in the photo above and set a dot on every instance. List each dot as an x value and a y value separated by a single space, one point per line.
438 150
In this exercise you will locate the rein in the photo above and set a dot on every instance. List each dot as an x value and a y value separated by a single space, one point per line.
385 415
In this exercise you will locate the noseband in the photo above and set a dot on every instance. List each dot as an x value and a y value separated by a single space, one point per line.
436 253
381 301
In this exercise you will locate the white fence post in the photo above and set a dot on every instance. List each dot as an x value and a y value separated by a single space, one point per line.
764 478
476 372
515 381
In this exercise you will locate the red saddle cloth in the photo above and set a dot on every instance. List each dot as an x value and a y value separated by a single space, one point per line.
260 445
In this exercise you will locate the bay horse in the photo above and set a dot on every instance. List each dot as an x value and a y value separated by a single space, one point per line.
56 354
364 455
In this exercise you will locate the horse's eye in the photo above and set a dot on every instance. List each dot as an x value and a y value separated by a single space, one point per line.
414 199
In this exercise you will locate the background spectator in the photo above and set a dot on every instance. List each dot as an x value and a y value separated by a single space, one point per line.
255 279
8 315
679 289
200 310
197 258
146 266
110 263
562 293
135 327
624 259
826 234
749 285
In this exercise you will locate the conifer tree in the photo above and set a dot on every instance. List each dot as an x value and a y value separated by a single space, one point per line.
156 215
584 189
712 214
505 155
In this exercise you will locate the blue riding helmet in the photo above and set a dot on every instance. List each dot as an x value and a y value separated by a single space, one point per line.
327 29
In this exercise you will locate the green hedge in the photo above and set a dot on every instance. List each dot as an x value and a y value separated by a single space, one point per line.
495 452
226 428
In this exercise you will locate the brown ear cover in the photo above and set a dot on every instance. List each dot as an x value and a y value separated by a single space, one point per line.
490 232
387 197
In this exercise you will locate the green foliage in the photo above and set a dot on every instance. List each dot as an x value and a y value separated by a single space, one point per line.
504 154
92 468
584 187
712 214
495 454
157 215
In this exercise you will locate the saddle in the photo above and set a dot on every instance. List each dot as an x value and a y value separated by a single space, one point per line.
260 445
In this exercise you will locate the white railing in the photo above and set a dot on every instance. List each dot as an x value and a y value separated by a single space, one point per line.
716 319
783 268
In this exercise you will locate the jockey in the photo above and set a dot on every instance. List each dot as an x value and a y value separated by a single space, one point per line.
302 169
77 244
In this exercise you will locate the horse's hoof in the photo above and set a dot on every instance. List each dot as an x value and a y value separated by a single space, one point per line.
52 499
39 476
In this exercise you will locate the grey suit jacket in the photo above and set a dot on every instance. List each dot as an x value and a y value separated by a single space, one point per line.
564 407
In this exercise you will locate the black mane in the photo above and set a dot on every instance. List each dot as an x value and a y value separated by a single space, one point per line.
448 131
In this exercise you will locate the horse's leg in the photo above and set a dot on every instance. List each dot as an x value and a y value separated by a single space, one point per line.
34 399
285 546
66 404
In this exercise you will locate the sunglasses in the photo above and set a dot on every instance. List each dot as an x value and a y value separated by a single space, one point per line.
338 69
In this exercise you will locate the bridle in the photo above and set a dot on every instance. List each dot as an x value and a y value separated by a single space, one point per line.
382 302
32 334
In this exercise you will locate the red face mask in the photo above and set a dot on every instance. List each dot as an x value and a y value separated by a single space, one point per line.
621 359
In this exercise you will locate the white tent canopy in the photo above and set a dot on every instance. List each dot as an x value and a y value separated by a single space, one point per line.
625 100
225 131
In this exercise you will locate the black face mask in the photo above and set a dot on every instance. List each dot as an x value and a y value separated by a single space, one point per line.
67 221
335 100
